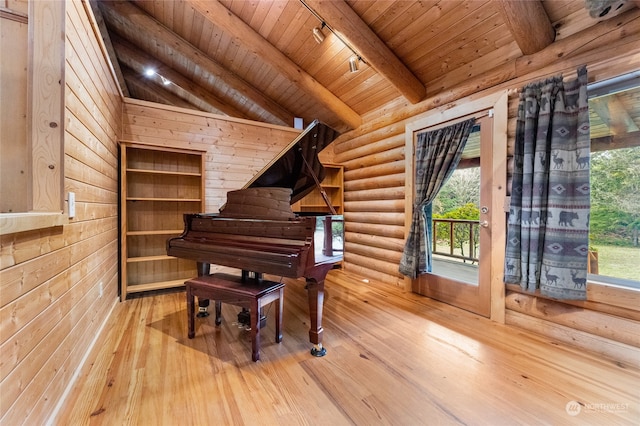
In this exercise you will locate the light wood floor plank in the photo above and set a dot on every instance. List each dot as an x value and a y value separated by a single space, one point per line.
393 358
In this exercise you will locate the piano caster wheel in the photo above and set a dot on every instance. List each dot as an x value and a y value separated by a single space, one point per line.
202 312
318 350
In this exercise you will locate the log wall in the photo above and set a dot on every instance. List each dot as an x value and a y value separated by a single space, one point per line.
375 215
609 321
374 198
58 285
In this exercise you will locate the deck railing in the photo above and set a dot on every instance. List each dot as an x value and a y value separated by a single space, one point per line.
458 228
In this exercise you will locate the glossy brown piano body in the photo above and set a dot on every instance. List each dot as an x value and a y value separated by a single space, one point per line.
256 231
294 248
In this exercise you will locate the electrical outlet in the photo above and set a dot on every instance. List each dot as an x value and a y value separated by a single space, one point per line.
72 204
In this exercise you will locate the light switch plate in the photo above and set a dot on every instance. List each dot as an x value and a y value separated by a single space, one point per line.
72 204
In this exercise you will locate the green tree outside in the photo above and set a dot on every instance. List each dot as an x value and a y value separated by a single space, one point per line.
614 218
469 211
459 199
615 197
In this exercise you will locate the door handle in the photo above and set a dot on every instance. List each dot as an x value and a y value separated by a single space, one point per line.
484 223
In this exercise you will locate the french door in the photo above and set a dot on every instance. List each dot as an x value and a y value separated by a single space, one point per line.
483 293
465 283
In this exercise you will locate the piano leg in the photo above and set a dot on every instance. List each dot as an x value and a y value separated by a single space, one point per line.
315 292
203 304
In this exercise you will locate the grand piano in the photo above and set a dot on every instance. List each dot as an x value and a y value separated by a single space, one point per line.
257 232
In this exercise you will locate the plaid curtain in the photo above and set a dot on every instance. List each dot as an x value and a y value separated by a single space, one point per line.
437 155
548 227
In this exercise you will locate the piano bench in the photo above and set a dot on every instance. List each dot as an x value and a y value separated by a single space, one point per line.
251 294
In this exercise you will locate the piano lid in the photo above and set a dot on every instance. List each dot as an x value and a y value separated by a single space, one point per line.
288 169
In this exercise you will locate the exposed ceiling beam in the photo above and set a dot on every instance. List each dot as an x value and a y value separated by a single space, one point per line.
152 92
339 16
222 17
108 45
613 114
605 143
127 14
138 61
528 23
468 163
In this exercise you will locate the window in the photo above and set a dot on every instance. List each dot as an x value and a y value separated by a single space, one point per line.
614 108
456 216
31 149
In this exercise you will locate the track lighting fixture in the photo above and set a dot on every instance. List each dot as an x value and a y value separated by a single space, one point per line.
318 35
353 64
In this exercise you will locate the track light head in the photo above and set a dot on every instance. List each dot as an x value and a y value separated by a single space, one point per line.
353 64
318 35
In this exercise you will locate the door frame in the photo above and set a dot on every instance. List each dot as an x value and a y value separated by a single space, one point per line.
461 109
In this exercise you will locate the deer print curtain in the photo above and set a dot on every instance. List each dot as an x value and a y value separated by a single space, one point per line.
437 154
548 227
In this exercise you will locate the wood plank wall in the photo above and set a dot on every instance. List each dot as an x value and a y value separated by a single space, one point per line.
236 149
58 285
373 157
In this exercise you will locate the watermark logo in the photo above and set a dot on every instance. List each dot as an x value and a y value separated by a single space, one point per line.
573 408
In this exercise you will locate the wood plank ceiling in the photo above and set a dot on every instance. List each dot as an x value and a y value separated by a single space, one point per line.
259 60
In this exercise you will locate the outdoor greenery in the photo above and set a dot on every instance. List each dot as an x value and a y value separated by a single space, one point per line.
615 209
459 199
619 262
615 197
462 188
460 230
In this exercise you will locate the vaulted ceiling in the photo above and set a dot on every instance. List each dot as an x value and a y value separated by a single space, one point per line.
259 59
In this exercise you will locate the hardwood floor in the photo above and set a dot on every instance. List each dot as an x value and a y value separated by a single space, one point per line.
393 358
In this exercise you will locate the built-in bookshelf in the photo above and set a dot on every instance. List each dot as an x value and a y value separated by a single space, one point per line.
332 185
157 186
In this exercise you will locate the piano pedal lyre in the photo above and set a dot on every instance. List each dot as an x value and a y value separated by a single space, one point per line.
244 319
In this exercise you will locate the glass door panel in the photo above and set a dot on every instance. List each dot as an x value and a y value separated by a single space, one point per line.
462 236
